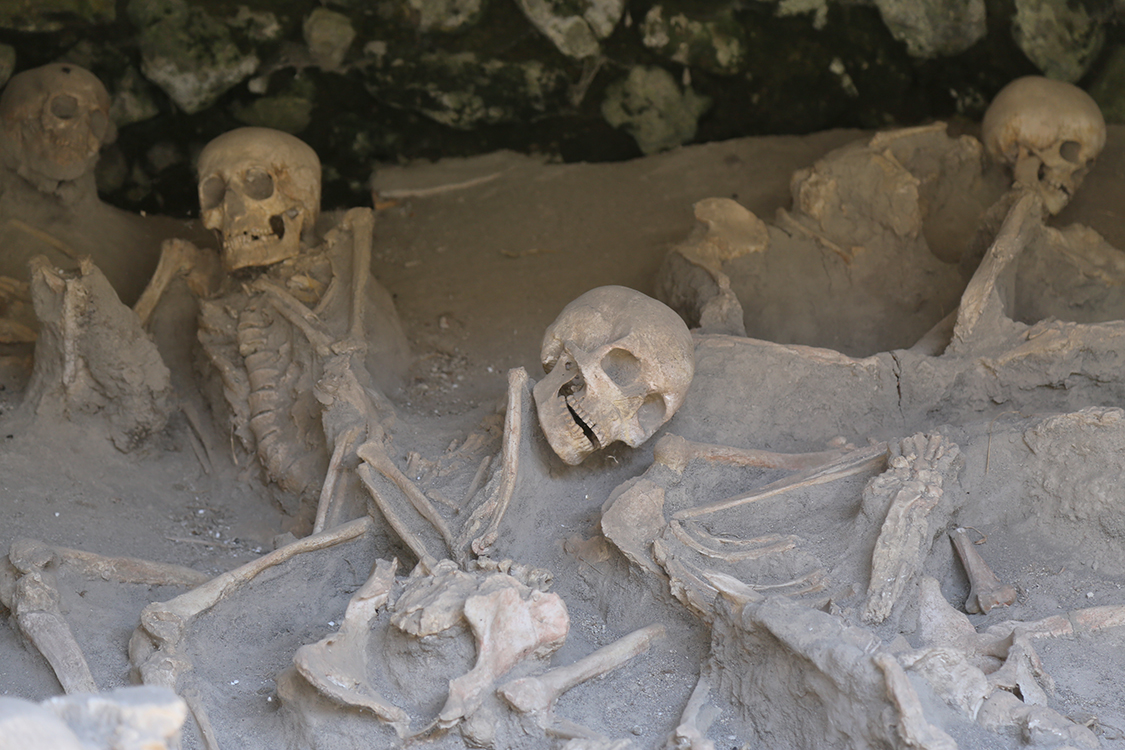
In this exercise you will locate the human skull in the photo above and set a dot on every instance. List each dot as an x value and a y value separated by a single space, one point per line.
55 120
261 189
1049 132
618 365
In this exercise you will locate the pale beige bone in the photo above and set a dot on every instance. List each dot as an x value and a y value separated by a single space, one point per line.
325 506
846 465
537 695
621 361
155 647
375 455
1048 132
494 508
35 604
985 589
361 221
337 665
233 169
426 556
982 307
178 258
510 625
913 728
690 733
16 315
676 453
914 483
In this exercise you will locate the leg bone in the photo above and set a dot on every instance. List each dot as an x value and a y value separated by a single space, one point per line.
985 589
537 695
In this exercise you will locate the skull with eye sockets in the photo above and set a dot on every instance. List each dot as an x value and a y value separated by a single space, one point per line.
55 120
260 188
618 365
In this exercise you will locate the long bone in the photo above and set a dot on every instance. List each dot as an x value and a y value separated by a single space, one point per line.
537 695
695 719
849 464
497 503
985 589
35 604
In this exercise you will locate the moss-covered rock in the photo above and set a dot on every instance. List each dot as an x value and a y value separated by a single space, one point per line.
934 28
53 15
188 53
1059 36
649 106
463 91
715 44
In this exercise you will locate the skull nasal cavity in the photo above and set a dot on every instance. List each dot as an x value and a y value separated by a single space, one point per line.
64 107
277 226
1070 150
621 366
259 185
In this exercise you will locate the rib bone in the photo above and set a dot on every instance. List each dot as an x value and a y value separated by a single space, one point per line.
985 589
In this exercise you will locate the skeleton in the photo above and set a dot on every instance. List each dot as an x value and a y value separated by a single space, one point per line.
285 340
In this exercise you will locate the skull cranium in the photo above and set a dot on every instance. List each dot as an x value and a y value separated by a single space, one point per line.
1049 132
618 365
55 120
261 189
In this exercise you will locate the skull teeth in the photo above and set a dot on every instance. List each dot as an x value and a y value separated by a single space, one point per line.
586 421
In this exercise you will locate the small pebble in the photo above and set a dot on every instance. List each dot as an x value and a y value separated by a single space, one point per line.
637 731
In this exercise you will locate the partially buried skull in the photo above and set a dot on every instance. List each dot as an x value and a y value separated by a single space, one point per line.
260 188
1048 132
618 365
55 120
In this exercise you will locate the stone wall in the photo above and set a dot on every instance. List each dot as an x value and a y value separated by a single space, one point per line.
377 81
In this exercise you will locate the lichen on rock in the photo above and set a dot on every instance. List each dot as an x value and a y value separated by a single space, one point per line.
575 27
717 45
934 28
649 106
1061 38
188 53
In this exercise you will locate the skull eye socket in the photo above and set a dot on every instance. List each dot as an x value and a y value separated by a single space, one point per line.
64 106
258 184
211 192
621 367
1070 150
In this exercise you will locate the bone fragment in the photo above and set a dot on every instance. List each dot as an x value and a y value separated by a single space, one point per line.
425 557
537 695
985 589
497 504
337 665
199 712
913 728
130 569
164 624
676 452
293 310
344 443
376 456
982 294
914 483
697 716
850 464
175 259
508 628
